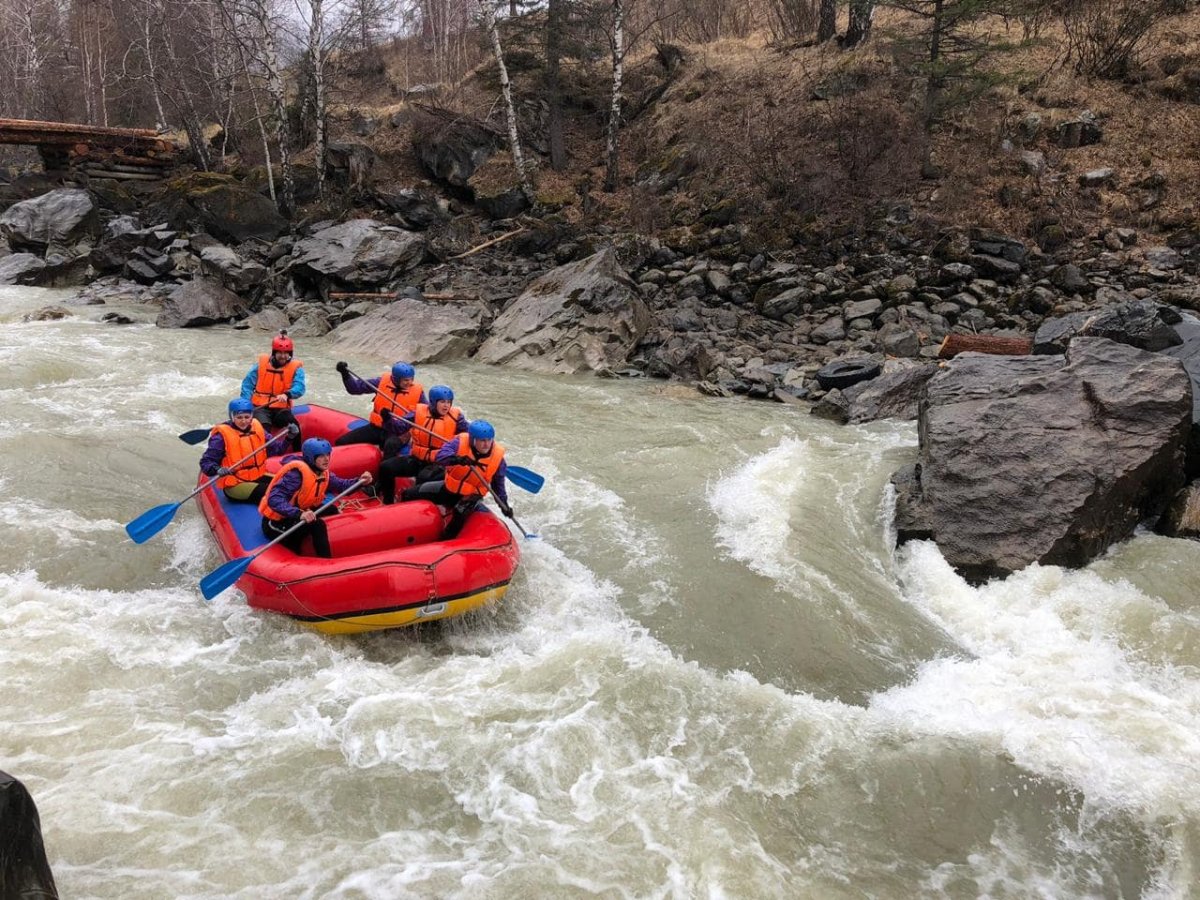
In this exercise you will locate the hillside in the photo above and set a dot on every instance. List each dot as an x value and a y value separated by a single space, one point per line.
797 143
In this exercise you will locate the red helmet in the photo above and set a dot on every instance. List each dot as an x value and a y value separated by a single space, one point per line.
283 344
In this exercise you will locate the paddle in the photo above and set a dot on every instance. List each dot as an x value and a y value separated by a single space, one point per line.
225 575
152 521
526 479
504 507
195 436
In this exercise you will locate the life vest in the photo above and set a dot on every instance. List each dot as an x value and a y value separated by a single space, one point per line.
460 479
240 444
273 380
398 403
311 493
424 446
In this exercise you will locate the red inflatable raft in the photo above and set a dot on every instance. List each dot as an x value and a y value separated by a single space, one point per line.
390 566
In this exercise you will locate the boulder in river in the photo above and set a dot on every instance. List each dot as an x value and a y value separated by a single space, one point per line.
1045 459
584 316
66 221
413 330
198 303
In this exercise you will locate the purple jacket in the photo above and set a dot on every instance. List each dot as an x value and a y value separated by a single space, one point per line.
279 498
215 452
499 485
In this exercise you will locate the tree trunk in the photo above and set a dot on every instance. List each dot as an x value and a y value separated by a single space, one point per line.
316 50
827 21
613 150
862 12
955 344
553 84
510 111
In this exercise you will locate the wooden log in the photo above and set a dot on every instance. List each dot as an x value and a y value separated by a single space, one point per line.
387 295
492 242
955 344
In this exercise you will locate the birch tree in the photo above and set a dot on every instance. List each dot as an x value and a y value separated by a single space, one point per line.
617 50
316 56
862 14
510 111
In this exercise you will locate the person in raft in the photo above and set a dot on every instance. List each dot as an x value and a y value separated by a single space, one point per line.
398 393
297 491
273 383
474 465
243 480
439 416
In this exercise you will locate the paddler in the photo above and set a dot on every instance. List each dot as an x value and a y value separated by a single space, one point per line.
237 453
428 428
474 467
396 393
273 383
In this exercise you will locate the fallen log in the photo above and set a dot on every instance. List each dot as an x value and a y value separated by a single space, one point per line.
389 295
955 344
491 243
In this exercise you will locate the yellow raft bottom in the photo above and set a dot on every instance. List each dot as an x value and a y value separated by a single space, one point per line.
443 609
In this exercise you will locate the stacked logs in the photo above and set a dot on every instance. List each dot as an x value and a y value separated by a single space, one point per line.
79 152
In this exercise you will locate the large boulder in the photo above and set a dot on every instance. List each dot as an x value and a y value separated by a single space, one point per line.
361 252
195 304
413 330
1139 323
452 149
893 395
21 268
586 315
218 205
1188 353
1045 459
65 221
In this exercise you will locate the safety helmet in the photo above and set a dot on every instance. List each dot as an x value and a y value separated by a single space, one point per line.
481 430
440 392
240 405
282 344
314 447
403 370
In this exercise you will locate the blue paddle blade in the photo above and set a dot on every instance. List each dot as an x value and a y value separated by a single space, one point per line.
195 436
151 522
525 478
223 576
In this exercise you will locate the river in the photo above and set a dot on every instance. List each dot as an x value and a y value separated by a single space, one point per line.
713 675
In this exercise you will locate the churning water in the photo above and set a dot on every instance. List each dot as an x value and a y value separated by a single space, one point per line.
713 677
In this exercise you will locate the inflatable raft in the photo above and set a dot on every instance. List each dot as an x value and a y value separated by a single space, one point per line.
390 566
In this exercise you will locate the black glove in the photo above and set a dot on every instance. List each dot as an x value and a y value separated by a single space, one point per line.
459 461
224 470
385 414
342 368
293 430
507 510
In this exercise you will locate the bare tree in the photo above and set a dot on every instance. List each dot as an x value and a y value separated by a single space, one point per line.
510 112
316 58
826 20
862 14
617 48
553 83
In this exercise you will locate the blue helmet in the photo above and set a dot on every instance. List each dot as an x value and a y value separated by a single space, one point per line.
314 447
481 430
440 392
403 370
240 406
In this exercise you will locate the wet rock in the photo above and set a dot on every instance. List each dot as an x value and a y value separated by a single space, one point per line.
585 315
414 330
893 395
361 252
47 314
199 303
65 221
20 268
1047 459
1182 518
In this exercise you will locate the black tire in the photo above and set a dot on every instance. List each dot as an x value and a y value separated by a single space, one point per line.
846 372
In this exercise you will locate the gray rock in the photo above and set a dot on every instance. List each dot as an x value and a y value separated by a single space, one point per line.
789 301
833 329
1163 258
863 309
1182 518
454 149
893 395
270 319
1097 178
361 252
20 268
1138 323
1046 459
415 330
60 220
1070 280
586 315
199 303
899 340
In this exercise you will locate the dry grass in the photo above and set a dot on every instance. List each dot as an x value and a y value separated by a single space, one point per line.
742 120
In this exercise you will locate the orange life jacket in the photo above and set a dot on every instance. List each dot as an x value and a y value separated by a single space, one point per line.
425 446
311 493
460 479
239 444
398 403
273 380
